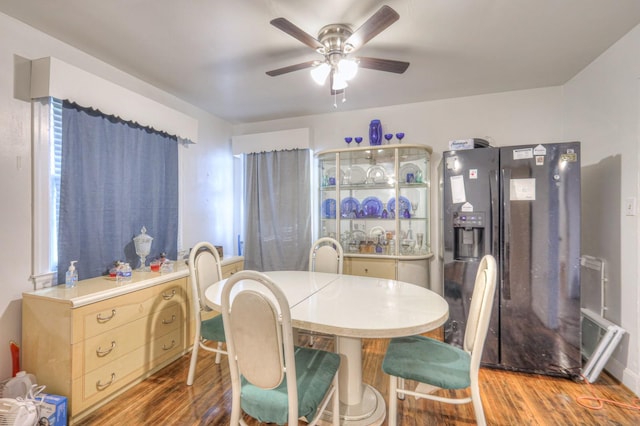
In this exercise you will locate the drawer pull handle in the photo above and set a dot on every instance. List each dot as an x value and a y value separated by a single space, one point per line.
102 353
169 296
173 318
173 344
105 319
101 386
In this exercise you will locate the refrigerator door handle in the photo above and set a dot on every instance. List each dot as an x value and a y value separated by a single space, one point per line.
493 211
505 253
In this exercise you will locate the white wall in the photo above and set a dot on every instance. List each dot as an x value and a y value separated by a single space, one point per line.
601 106
204 168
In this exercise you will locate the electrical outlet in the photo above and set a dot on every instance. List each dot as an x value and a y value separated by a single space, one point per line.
630 206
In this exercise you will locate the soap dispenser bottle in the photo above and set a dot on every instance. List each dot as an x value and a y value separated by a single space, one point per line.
71 278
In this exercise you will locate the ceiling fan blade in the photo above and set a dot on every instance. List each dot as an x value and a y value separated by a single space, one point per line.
387 65
295 32
377 23
291 68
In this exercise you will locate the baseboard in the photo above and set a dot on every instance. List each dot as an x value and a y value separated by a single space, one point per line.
631 379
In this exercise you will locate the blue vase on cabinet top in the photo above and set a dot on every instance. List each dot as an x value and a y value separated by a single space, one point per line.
375 132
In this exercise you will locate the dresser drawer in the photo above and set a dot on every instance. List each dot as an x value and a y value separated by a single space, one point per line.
106 347
111 377
109 314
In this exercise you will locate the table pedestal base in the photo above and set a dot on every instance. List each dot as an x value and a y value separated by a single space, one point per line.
370 411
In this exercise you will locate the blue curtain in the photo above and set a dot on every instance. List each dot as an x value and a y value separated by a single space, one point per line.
278 210
116 177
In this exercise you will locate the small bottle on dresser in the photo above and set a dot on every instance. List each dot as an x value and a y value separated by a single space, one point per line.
71 277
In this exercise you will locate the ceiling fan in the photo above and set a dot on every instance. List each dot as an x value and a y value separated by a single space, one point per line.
336 42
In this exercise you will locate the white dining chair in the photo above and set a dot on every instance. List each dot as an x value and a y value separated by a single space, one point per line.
437 365
204 270
271 380
326 255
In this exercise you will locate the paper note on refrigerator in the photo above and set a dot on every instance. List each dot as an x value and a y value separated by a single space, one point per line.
457 189
522 189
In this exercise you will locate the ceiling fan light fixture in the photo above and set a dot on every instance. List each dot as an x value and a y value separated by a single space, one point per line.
339 81
348 68
320 73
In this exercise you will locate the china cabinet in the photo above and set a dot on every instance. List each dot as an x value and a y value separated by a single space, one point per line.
376 200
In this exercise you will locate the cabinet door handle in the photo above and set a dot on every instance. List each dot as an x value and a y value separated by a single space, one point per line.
101 386
169 296
106 352
173 344
105 319
173 318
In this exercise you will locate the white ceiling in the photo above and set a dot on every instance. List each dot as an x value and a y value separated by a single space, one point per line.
214 53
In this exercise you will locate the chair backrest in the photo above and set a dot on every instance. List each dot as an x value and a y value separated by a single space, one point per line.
326 255
204 270
480 309
257 326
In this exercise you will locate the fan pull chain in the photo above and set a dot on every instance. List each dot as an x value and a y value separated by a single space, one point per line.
335 98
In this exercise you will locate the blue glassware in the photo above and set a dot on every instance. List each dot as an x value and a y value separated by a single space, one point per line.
371 206
400 136
348 139
385 213
329 208
388 137
375 132
349 207
358 140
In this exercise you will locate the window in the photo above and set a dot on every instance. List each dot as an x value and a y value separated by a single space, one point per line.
54 178
97 181
44 229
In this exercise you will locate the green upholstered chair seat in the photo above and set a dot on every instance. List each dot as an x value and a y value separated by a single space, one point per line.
315 370
428 361
213 329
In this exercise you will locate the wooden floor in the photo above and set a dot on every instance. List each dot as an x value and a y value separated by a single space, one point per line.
509 398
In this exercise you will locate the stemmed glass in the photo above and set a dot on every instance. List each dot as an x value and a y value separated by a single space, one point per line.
400 136
414 206
358 140
388 137
414 199
348 140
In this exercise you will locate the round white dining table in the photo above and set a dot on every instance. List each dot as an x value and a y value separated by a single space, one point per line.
352 308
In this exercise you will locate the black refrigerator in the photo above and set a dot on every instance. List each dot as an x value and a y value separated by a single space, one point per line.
522 205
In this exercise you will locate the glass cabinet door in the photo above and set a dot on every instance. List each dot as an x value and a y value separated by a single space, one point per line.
375 201
329 175
414 192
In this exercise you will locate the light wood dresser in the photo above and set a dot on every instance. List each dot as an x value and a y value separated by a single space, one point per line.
92 342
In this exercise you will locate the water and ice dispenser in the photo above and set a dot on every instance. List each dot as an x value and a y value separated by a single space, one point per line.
468 235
